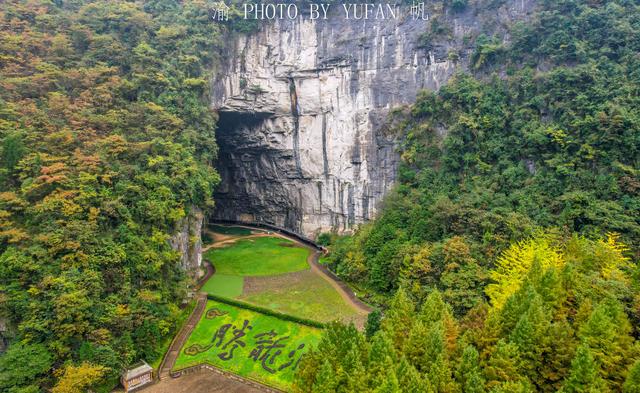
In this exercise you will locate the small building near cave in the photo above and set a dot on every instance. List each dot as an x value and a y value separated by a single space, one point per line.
138 376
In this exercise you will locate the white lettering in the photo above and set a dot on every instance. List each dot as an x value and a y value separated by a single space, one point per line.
290 14
325 9
346 9
313 11
248 8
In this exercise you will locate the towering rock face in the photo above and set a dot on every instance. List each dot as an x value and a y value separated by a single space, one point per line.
303 107
187 240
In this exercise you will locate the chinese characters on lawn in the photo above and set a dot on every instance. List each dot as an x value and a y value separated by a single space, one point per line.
230 340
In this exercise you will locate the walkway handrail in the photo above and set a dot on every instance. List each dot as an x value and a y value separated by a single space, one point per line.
284 231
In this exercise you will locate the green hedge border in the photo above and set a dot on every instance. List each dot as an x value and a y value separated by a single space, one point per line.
266 311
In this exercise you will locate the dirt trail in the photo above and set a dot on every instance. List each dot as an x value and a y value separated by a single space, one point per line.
229 239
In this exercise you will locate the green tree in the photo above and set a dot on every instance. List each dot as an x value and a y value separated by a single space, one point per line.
373 323
584 375
22 365
503 365
325 381
398 318
469 375
632 384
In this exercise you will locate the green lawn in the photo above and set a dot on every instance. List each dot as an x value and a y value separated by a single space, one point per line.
261 256
249 354
230 230
307 296
224 285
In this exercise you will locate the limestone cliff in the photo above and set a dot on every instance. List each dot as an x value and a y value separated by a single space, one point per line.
187 240
303 106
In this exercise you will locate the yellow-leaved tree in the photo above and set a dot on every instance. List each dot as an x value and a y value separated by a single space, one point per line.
77 379
514 264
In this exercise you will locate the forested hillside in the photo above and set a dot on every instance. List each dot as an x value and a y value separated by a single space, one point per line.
512 238
106 141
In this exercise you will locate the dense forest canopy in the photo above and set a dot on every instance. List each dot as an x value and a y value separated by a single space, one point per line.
106 142
509 248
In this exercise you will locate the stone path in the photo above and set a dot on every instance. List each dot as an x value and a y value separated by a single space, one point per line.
185 331
182 336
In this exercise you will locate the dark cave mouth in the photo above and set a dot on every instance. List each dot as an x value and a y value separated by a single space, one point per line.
255 177
228 121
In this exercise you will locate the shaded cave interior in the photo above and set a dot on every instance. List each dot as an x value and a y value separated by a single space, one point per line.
258 175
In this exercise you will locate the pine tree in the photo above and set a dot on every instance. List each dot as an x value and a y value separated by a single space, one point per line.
468 374
389 383
529 336
373 323
356 373
503 365
607 333
382 358
410 379
325 379
398 319
415 348
434 308
632 384
436 314
584 376
441 378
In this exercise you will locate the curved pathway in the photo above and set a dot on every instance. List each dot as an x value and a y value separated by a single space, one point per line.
343 289
233 239
185 331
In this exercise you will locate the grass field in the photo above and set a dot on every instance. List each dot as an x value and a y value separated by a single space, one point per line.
272 272
303 294
248 343
261 256
224 285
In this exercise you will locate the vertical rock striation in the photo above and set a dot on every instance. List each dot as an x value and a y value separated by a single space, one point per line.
303 107
187 240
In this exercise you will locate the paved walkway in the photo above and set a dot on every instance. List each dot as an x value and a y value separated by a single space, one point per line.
342 288
204 381
184 333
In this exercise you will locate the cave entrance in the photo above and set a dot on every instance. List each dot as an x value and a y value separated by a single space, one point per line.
257 170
